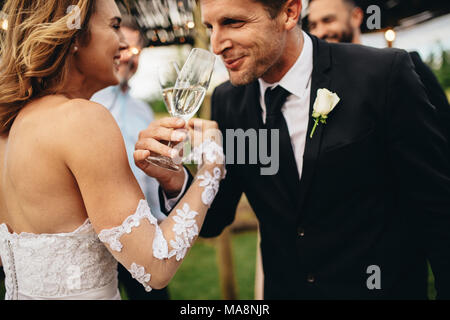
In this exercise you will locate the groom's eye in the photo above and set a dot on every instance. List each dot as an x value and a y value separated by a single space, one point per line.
234 23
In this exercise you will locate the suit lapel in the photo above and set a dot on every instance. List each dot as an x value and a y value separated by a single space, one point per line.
320 79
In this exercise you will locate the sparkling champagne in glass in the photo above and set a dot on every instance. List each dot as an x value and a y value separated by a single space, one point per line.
185 97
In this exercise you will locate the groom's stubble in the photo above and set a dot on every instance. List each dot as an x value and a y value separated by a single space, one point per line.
264 60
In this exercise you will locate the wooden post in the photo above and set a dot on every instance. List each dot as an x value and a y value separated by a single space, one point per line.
226 267
259 272
201 39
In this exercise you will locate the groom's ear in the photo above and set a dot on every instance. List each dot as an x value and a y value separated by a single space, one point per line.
292 12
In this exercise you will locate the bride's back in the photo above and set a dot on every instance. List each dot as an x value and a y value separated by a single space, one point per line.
38 192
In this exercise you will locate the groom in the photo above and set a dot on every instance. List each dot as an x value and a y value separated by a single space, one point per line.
356 208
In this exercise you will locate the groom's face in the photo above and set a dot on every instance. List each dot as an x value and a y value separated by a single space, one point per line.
243 33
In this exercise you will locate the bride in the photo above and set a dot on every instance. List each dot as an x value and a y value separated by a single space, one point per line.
70 207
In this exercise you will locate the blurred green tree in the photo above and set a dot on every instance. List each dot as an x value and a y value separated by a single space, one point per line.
441 67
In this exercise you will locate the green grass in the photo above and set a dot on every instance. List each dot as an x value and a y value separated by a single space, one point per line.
198 276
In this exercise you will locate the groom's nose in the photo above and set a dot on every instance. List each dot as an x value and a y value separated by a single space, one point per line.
219 42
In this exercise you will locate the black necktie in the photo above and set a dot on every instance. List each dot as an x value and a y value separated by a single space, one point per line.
275 99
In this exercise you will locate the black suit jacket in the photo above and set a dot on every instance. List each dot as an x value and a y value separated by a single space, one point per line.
375 185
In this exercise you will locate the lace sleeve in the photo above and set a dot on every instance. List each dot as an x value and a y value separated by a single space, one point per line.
152 252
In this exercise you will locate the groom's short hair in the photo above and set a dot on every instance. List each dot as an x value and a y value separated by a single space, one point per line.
350 3
273 6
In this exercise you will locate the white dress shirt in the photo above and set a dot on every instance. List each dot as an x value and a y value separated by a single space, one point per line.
296 109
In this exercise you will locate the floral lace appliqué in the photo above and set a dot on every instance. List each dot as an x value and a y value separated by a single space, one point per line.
210 150
211 184
160 247
185 229
112 236
138 273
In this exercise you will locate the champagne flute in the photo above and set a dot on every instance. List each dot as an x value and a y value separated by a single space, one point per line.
185 97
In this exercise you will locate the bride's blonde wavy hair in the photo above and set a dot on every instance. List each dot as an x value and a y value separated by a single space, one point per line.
34 50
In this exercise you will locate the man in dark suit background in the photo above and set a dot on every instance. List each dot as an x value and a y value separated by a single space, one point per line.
341 20
356 208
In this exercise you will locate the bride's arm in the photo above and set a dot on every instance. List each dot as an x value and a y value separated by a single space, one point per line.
97 158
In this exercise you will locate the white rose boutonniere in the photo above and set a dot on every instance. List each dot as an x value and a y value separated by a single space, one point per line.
324 104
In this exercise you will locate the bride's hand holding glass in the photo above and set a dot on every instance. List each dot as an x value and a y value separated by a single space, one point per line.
153 140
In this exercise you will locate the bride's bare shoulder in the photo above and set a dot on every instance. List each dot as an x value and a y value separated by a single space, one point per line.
85 112
83 116
85 123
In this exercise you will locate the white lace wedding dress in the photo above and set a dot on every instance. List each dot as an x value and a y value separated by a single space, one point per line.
62 266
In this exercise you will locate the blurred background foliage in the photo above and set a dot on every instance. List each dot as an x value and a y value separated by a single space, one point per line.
440 65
